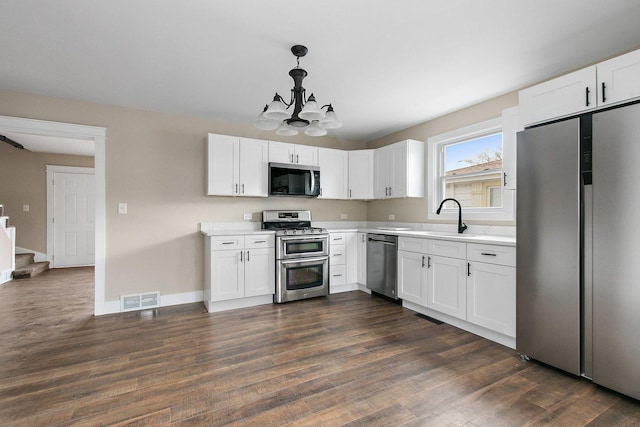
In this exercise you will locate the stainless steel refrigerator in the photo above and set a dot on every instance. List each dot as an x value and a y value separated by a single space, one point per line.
578 246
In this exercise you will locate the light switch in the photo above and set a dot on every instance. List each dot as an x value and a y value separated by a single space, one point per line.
122 208
25 208
392 217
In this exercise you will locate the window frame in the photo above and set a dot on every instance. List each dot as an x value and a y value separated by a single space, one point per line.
435 171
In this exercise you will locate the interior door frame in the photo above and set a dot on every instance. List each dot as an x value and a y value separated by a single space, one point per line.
98 135
51 171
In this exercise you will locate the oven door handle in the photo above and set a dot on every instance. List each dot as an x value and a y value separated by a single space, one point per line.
305 238
304 260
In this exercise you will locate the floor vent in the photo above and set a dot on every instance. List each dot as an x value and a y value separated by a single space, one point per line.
430 319
139 301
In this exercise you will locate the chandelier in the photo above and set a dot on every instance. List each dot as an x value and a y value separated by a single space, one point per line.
306 113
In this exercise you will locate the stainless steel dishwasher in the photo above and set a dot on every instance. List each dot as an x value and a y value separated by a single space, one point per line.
382 261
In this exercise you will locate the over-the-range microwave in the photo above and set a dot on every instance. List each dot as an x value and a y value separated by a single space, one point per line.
294 180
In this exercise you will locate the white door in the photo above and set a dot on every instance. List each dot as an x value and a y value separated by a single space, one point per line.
254 162
361 174
334 168
447 286
412 277
73 219
259 272
223 159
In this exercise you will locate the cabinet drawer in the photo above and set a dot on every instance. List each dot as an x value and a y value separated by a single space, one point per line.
492 254
223 243
447 248
336 255
337 275
259 241
412 244
338 238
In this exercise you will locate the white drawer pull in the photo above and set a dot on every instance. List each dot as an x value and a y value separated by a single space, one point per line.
260 241
487 254
228 243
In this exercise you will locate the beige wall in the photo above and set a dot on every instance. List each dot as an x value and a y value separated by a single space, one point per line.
23 181
415 210
156 163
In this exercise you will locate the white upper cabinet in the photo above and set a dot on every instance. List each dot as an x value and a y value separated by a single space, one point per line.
569 94
619 79
399 170
361 174
283 152
237 166
254 163
334 172
609 82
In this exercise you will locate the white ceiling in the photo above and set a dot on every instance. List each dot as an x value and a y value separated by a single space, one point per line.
384 65
51 144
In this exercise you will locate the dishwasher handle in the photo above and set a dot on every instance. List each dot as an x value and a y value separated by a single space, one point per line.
382 241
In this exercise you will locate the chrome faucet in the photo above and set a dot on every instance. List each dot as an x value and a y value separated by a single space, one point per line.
461 225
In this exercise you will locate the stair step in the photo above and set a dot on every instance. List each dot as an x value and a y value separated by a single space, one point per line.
31 270
22 260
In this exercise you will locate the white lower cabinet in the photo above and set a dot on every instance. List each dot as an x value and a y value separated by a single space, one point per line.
343 261
239 268
472 286
412 277
361 258
447 286
491 288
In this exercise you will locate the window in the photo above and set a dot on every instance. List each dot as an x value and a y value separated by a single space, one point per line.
470 165
473 171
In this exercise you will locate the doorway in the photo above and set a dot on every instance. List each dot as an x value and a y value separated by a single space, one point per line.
97 136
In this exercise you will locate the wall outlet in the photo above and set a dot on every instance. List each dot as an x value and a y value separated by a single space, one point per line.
392 217
344 216
122 208
25 208
247 216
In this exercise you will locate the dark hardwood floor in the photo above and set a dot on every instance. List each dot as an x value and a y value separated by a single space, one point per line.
348 359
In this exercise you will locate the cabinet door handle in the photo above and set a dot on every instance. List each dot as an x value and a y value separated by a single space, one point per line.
428 262
386 191
236 188
291 158
586 92
247 256
604 88
390 192
260 241
349 193
335 239
487 254
241 256
468 269
337 254
242 188
228 243
297 158
362 237
504 179
337 275
422 261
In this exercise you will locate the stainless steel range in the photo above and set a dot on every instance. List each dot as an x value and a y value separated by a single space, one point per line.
302 255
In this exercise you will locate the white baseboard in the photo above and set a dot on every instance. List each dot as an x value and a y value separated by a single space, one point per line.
232 304
39 256
344 288
5 276
111 307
